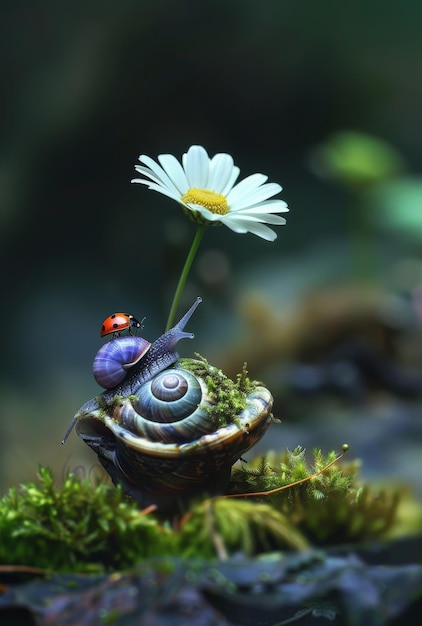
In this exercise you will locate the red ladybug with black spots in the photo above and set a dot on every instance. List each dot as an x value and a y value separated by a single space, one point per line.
117 322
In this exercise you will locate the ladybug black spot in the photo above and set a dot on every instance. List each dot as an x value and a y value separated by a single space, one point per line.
102 328
113 316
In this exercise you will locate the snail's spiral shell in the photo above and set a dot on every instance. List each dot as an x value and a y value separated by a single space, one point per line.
170 407
115 357
176 435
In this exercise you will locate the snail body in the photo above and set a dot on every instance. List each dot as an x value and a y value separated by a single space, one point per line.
173 428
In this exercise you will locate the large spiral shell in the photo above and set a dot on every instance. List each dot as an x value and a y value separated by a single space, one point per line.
171 439
170 407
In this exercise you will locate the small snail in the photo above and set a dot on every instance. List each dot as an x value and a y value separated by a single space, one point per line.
171 428
117 357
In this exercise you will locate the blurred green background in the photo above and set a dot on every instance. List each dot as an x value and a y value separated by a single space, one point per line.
87 86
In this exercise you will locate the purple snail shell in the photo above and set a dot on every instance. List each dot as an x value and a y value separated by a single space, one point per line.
115 357
168 432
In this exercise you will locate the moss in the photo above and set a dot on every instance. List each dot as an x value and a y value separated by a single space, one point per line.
224 526
107 408
78 528
81 527
75 527
227 397
332 508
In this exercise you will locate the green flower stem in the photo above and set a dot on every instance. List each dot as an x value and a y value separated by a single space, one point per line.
185 273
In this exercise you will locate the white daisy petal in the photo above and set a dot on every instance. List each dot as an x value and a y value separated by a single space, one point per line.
263 231
268 219
255 196
171 192
256 228
235 226
155 187
154 171
174 171
233 177
206 187
142 181
220 172
251 217
151 166
245 187
147 172
271 206
197 167
211 217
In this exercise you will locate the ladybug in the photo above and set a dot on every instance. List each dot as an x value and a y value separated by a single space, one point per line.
117 322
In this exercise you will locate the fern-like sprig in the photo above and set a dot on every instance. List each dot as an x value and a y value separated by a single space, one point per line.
331 507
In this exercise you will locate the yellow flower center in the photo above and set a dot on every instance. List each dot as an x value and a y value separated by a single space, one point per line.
214 202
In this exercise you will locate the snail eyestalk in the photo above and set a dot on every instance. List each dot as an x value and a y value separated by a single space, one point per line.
69 430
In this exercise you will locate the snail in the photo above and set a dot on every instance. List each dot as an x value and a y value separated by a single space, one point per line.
171 429
117 358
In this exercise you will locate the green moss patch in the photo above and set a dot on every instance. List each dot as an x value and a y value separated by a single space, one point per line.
227 397
79 526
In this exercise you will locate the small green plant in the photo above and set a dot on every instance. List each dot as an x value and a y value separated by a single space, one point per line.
223 526
77 527
333 507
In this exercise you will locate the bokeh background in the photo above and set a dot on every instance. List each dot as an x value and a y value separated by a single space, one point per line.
326 99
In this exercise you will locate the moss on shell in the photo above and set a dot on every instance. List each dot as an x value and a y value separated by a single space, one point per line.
227 397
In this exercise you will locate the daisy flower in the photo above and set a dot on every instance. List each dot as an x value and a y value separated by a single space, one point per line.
207 191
